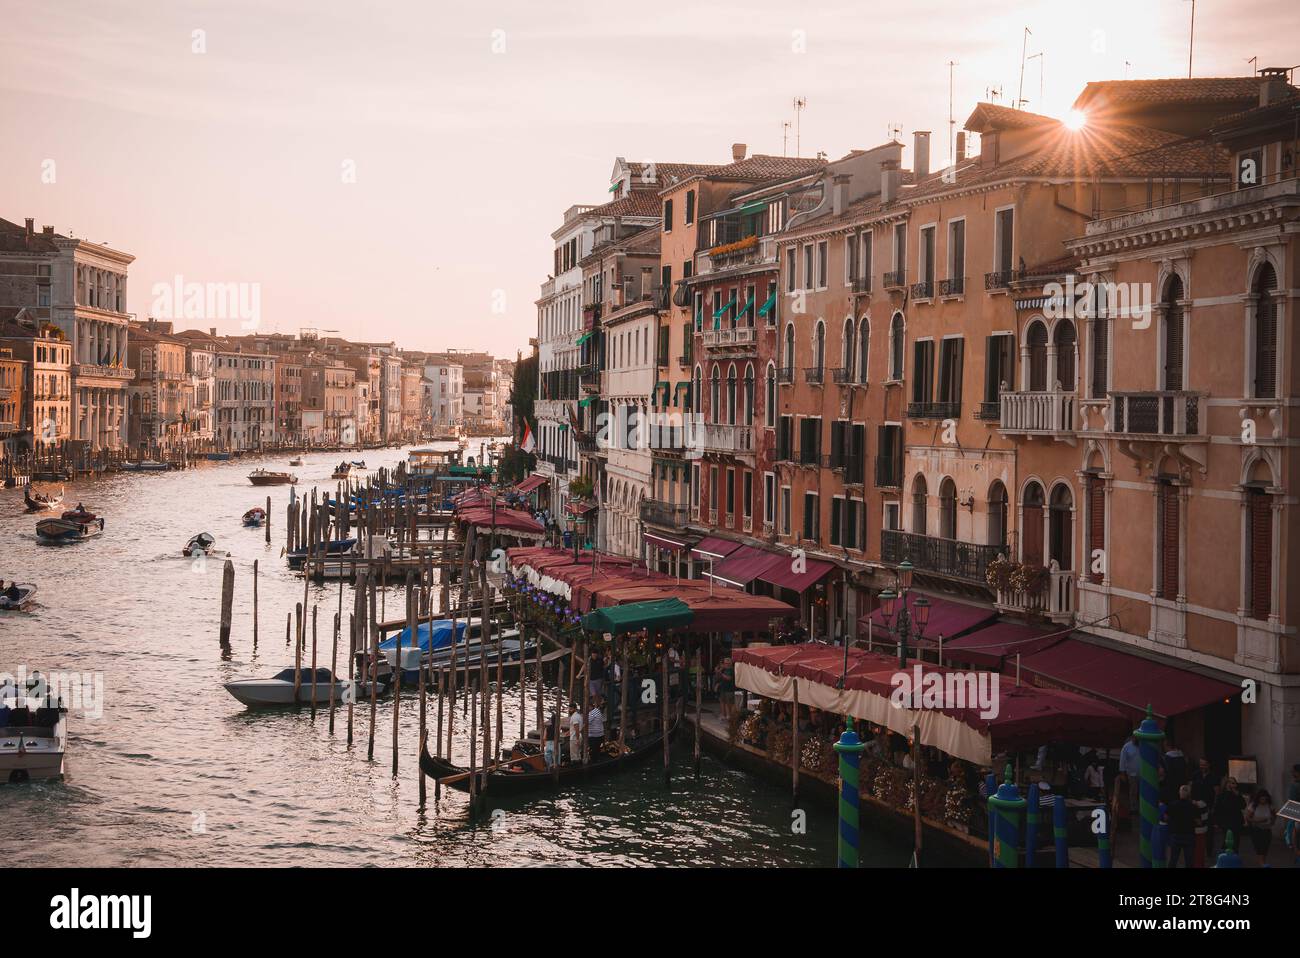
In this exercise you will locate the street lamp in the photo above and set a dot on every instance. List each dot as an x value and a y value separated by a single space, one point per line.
899 618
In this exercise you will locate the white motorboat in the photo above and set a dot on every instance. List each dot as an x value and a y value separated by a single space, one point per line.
33 738
278 690
17 596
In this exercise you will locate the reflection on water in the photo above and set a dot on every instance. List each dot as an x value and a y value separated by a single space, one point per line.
177 772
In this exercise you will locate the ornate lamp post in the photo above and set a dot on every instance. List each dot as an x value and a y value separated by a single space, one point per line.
899 619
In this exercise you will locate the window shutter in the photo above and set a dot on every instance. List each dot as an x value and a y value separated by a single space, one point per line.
1168 541
1096 525
837 444
1265 335
1261 553
992 377
1100 356
958 348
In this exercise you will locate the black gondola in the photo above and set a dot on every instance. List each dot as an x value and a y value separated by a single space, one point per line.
511 779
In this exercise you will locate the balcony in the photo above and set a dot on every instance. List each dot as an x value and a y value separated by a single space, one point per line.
861 284
999 280
955 286
735 337
814 375
895 279
670 515
728 439
950 558
934 410
785 375
102 371
989 411
923 290
851 467
1054 600
1039 414
1155 413
685 360
841 376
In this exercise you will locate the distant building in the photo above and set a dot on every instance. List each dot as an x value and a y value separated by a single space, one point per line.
47 389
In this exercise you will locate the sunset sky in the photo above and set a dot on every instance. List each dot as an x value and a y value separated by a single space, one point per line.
227 165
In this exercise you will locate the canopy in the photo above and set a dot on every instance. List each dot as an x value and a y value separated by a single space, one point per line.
743 566
535 481
659 615
429 635
711 547
658 541
784 574
1127 680
947 618
1016 717
997 645
513 522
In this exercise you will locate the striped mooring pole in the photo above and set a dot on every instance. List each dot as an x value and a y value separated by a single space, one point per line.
1103 840
1004 809
849 748
990 787
1228 858
1059 833
1149 736
1160 839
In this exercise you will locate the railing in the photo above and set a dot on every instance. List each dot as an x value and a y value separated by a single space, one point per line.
1038 412
670 514
999 279
953 286
989 411
1155 413
1055 598
733 336
814 375
862 284
853 467
953 558
106 372
841 376
934 410
923 290
685 360
889 472
895 279
726 438
785 375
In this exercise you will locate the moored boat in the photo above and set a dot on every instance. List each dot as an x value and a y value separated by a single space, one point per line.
279 688
335 548
73 526
218 456
358 464
16 596
265 477
42 502
341 471
254 517
145 465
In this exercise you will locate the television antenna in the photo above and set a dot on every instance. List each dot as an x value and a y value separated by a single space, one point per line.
1024 48
799 103
952 123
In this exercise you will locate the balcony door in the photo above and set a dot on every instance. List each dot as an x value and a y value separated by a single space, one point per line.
1060 526
1031 525
1036 360
947 509
919 496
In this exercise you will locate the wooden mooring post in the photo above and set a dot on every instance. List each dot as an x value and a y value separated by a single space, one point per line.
227 601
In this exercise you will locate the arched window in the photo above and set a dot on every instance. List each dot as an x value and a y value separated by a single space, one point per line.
1031 525
697 391
747 400
789 347
847 352
1060 526
1036 343
819 347
998 515
896 347
1173 334
1064 337
947 509
1265 333
769 410
731 395
864 342
919 496
715 395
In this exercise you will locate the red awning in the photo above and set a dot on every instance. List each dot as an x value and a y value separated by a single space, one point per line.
1127 680
579 509
535 481
782 573
998 644
662 542
712 547
947 618
743 566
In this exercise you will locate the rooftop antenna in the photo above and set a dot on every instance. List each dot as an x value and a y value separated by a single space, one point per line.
1191 37
993 94
785 137
1254 65
1041 58
894 130
1127 64
799 103
1024 48
952 123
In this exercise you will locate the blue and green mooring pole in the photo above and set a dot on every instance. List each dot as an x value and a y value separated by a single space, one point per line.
849 749
1004 810
1149 736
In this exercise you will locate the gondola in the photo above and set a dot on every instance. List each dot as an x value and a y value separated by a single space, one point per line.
520 775
202 543
38 503
254 517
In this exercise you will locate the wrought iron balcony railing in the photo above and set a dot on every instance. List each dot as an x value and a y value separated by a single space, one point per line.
952 558
953 286
895 279
814 375
1156 413
934 410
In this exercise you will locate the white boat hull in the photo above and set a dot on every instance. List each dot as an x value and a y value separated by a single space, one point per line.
271 692
28 757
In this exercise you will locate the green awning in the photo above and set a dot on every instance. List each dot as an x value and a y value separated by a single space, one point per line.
586 336
687 387
660 615
747 307
717 313
664 385
563 427
587 400
613 187
754 207
767 306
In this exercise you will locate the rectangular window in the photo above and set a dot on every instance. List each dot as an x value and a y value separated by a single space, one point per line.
1003 237
810 440
731 492
790 274
769 499
889 455
837 520
956 256
1096 492
838 432
785 510
822 267
668 216
950 361
1099 380
999 369
925 264
850 259
808 267
1169 539
690 207
900 246
892 513
713 489
923 371
810 517
785 439
747 494
865 258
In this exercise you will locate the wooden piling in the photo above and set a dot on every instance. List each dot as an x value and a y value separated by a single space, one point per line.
334 664
254 604
699 692
297 658
352 664
663 692
227 601
373 644
268 520
314 610
794 743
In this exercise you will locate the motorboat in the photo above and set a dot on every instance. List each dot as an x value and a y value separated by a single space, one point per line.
265 477
201 544
16 596
341 471
296 461
38 502
432 650
254 517
145 465
33 736
73 526
335 548
279 688
358 464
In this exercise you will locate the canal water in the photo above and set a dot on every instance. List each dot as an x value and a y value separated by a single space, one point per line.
176 772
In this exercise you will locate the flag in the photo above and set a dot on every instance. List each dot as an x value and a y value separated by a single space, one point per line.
528 445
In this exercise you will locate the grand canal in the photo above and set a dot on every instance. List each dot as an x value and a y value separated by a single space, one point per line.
176 772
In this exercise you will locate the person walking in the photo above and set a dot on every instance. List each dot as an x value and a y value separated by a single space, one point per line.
1229 813
1130 765
1182 817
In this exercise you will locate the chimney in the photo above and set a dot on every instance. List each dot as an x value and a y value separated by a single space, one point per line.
921 154
839 193
889 177
961 145
30 223
738 151
1272 84
47 230
212 331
